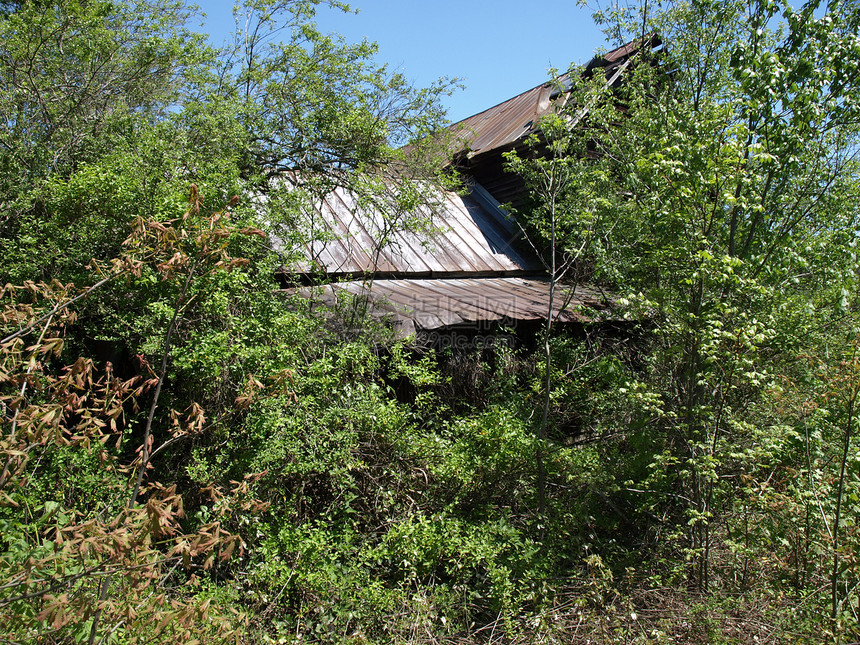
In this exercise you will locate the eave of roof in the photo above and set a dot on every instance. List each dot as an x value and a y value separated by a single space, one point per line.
416 305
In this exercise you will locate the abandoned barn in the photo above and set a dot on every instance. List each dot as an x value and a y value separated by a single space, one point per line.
471 269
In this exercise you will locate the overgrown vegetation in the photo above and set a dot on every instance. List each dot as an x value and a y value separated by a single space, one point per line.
189 454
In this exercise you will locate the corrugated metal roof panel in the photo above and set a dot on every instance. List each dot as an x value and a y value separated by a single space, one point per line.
504 123
427 304
510 121
468 237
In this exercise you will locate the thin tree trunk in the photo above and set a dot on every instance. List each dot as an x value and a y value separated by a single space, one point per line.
834 578
541 467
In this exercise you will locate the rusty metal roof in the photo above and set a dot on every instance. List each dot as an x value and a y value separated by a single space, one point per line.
463 235
505 123
468 268
412 306
511 121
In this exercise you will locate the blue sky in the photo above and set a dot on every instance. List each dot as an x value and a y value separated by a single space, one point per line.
498 48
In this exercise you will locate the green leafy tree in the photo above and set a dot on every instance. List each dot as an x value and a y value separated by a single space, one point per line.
80 557
734 150
112 110
568 210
